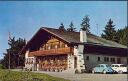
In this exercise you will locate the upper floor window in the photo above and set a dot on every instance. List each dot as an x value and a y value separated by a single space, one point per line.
63 45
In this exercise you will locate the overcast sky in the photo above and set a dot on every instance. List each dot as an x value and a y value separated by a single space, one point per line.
24 18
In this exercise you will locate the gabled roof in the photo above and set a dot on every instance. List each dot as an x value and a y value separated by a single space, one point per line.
74 37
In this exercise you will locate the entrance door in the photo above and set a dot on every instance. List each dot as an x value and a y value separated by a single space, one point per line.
75 62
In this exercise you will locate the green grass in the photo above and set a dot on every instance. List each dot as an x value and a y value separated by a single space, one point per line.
6 75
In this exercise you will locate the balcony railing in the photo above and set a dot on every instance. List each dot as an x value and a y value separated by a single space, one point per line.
51 52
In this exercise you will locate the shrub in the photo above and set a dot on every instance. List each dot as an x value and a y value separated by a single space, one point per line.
1 66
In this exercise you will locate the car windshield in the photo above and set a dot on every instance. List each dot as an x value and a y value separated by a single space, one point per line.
123 66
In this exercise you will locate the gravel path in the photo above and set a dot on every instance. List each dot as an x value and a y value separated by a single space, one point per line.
88 77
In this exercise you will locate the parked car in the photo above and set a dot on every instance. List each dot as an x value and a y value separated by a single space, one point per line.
120 68
103 68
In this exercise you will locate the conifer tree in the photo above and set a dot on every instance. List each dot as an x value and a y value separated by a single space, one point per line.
15 59
71 27
109 32
62 27
85 25
122 36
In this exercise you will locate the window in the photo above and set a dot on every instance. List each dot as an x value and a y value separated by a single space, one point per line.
127 60
52 46
116 66
58 45
101 66
98 66
66 45
98 58
118 60
49 47
112 65
123 66
106 59
112 60
87 58
63 45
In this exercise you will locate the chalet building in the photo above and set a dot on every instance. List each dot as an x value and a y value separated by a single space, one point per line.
57 50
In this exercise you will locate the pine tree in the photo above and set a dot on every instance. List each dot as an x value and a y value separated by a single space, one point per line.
122 35
62 27
85 25
71 27
13 51
109 32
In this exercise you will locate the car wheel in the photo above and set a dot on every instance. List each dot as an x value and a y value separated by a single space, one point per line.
120 71
104 72
93 71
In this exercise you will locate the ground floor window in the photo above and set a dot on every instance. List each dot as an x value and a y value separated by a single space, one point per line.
98 59
112 60
127 60
118 60
106 59
87 57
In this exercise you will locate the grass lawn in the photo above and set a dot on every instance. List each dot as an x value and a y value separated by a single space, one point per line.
6 75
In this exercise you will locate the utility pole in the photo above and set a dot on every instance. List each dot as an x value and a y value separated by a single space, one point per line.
9 38
9 60
97 28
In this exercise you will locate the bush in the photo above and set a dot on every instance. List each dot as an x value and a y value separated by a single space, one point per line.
1 66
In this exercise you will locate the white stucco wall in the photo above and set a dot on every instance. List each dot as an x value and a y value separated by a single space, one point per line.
78 53
93 60
29 59
70 61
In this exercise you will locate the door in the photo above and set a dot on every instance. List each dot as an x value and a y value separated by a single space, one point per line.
101 69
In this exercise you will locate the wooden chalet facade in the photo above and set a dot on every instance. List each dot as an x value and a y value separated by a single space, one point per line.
56 50
52 55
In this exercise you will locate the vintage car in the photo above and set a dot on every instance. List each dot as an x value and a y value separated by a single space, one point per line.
103 68
120 68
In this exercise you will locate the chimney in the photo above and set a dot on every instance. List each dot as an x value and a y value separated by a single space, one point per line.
83 35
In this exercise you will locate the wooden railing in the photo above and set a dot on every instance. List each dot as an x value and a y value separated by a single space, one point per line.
51 52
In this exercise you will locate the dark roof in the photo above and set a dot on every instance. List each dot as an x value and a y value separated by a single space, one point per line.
104 50
74 37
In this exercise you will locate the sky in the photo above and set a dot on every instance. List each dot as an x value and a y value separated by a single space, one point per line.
23 18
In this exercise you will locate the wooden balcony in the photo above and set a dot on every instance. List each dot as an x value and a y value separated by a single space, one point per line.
57 51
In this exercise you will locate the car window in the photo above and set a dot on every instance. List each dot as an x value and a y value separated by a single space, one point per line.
107 65
123 66
116 65
112 65
101 66
98 66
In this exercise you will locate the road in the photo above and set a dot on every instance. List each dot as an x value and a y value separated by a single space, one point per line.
88 77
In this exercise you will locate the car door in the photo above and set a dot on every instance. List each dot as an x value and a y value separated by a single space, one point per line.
123 68
117 68
101 68
97 68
